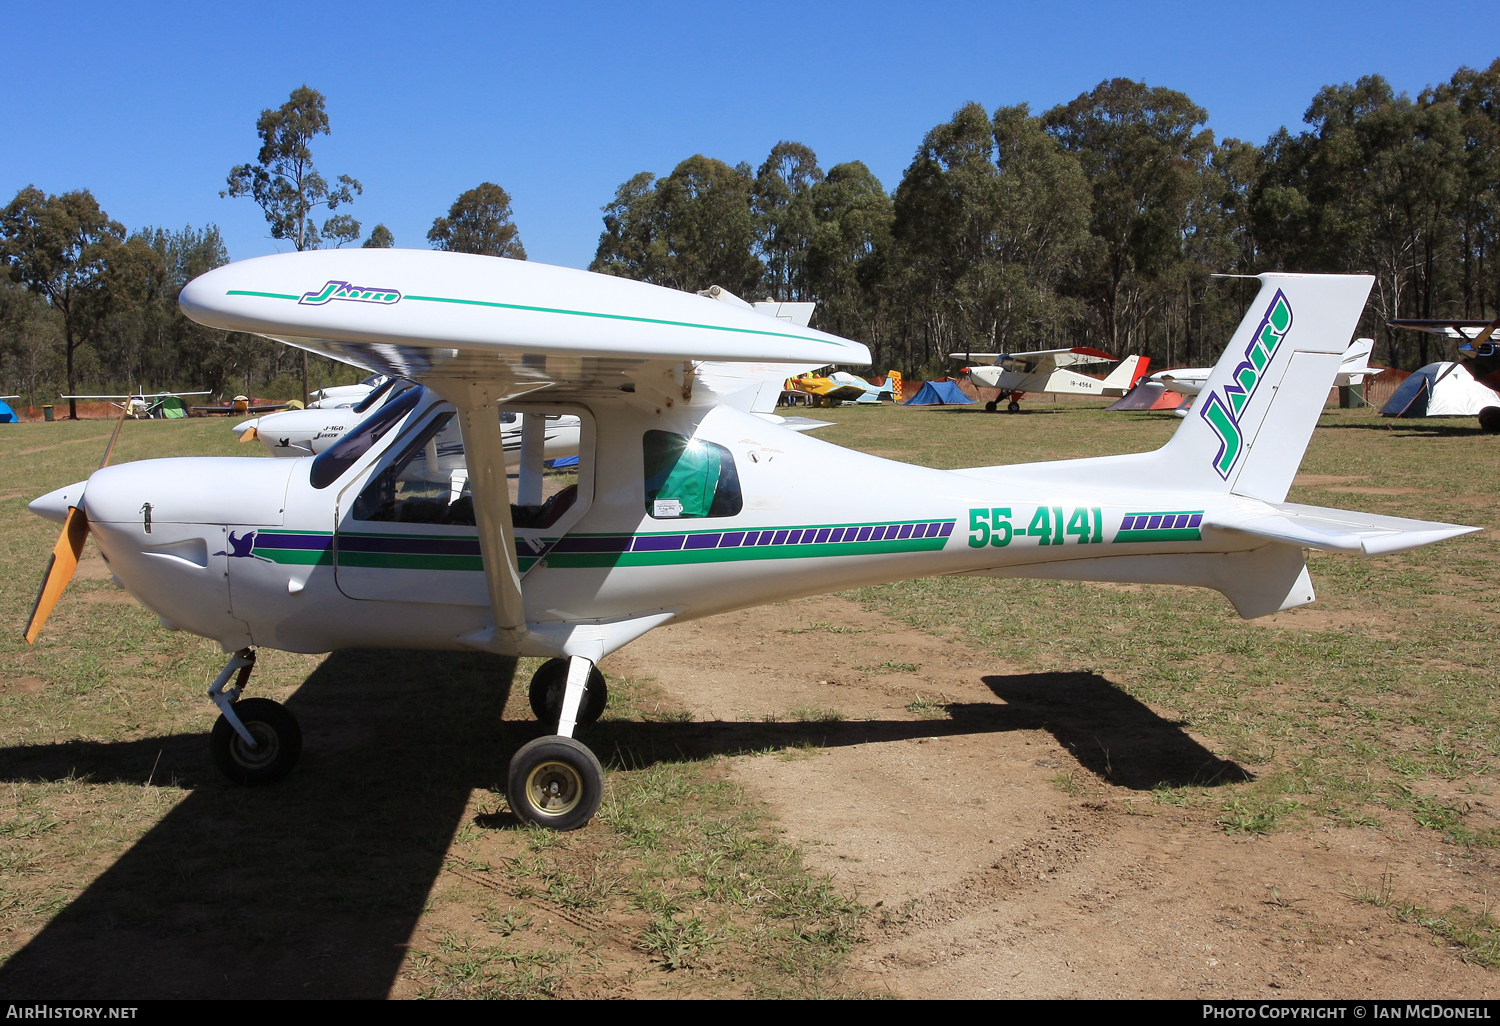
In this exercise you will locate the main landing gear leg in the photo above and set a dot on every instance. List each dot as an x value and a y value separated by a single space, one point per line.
555 781
254 741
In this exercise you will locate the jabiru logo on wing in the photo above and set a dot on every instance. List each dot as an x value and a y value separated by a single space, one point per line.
342 290
1223 406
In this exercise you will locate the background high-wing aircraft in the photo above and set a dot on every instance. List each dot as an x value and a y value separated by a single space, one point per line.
684 502
1353 370
335 397
161 405
1050 370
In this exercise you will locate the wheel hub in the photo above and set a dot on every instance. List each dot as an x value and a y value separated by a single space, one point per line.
554 788
266 746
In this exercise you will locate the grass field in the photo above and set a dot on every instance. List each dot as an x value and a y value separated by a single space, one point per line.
388 863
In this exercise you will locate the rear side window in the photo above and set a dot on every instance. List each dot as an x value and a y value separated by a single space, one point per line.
689 478
329 465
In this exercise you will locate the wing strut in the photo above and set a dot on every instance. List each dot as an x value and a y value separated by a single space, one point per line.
484 452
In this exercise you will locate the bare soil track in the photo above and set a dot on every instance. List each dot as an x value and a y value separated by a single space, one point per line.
1014 849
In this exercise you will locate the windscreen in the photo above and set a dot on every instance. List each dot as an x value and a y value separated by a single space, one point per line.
329 465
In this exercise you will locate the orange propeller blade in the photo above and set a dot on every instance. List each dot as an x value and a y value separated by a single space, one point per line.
59 570
249 435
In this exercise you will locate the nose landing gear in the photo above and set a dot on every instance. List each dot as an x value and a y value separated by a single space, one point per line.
555 781
254 741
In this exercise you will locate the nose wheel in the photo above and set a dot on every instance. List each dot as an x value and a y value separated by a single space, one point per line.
254 740
277 737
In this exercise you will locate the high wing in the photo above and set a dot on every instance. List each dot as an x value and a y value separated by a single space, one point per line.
1041 360
451 319
481 331
1463 330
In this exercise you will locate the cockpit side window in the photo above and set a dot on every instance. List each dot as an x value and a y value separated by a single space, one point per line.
428 483
329 465
689 478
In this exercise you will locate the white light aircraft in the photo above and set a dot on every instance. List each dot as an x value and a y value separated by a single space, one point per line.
1353 369
335 397
138 404
684 504
1049 371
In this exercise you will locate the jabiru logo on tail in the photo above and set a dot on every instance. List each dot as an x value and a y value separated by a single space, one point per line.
1224 405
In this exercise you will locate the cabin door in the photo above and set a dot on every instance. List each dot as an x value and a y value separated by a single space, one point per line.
405 529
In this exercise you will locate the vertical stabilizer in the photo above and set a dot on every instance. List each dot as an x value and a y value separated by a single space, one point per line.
1252 421
1126 373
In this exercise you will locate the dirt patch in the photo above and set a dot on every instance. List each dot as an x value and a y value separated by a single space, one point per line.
1316 618
1009 845
1376 490
92 440
1324 480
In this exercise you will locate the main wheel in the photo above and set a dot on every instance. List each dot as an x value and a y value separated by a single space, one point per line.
1489 420
555 782
278 741
551 680
1014 407
990 406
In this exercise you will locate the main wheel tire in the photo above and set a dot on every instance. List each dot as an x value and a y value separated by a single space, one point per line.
277 736
990 406
1014 407
551 680
1489 420
555 782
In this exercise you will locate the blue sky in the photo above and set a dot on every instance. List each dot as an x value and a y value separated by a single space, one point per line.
150 105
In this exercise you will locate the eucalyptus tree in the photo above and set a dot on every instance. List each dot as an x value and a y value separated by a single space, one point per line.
851 233
60 247
287 185
284 181
1143 150
987 219
784 216
692 229
1476 210
479 222
380 238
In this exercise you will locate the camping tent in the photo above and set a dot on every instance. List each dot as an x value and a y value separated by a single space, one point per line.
1149 395
1440 390
938 393
169 408
7 415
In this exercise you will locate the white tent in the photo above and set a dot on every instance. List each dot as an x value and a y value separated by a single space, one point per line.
1440 390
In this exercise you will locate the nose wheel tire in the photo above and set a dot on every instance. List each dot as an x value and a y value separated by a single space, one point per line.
551 680
278 743
555 782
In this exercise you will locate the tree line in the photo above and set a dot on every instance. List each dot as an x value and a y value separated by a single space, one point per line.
1098 222
87 307
1101 221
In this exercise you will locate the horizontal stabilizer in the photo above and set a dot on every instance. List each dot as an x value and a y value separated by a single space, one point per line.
1336 530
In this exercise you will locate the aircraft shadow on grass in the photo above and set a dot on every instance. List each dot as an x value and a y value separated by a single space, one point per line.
313 886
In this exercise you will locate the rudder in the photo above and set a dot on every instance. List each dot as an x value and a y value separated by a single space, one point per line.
1252 421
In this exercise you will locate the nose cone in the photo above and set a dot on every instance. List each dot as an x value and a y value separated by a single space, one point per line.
54 505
